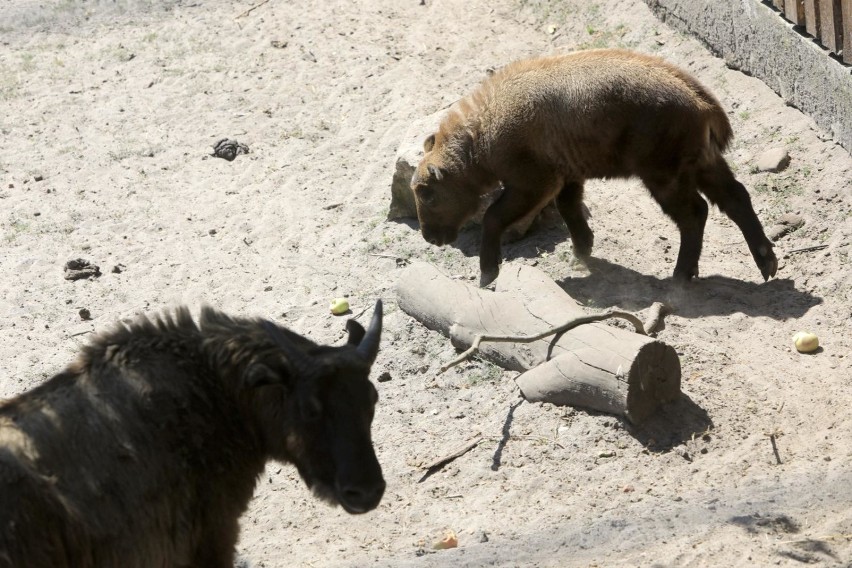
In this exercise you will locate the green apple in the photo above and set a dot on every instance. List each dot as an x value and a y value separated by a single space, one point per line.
339 306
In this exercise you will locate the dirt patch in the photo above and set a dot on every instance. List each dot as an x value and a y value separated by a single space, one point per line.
112 105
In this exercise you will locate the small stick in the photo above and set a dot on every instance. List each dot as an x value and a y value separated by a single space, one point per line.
458 452
250 10
775 448
831 537
807 249
567 326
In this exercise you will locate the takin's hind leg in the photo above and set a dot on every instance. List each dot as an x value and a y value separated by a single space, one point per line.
680 200
718 183
570 205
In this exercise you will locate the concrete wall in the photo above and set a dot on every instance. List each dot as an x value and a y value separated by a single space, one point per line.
752 37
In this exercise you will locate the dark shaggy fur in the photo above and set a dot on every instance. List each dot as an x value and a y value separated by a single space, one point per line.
145 451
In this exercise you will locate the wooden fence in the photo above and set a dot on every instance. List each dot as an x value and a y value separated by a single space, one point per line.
828 21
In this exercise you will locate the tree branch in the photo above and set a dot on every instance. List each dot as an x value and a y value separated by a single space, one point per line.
571 324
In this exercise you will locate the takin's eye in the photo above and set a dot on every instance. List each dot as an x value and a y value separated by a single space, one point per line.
426 195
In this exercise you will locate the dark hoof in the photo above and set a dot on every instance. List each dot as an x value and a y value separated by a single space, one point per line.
682 276
487 277
766 262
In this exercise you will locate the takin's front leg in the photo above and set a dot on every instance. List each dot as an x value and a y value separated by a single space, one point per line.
518 200
570 205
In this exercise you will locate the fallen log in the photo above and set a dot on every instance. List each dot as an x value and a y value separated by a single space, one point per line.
594 366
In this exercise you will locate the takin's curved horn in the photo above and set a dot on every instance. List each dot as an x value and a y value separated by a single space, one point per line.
369 346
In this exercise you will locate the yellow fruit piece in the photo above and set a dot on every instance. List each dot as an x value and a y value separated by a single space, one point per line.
450 540
805 342
339 306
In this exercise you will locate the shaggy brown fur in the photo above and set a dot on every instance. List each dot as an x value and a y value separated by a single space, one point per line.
146 450
544 126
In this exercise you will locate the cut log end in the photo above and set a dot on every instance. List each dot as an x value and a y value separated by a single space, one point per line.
632 387
653 379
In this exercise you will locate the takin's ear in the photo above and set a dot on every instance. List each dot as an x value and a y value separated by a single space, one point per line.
429 143
356 332
260 375
435 172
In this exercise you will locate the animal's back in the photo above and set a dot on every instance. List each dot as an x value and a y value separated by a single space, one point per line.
598 113
102 458
75 489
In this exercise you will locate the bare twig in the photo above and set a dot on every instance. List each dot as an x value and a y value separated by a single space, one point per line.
567 326
656 313
250 10
807 249
456 453
400 261
775 448
826 538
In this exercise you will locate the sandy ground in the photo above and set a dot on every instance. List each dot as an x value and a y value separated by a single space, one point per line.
109 110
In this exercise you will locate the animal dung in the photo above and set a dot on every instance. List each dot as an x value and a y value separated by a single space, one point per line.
805 342
339 306
78 268
229 149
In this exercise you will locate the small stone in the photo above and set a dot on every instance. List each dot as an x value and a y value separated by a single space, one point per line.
85 314
118 268
772 160
784 225
212 232
38 178
384 377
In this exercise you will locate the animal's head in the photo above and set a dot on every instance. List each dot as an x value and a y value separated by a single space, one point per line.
446 197
317 405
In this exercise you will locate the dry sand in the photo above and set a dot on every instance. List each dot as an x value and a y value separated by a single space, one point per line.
109 109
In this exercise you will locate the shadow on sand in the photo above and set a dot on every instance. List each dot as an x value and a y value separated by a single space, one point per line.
609 285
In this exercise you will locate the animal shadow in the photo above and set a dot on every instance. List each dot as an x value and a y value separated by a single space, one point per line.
607 285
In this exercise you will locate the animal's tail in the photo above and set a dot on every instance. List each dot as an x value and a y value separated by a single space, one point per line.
720 128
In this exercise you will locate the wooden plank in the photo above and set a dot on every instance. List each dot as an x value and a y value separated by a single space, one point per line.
847 30
812 17
831 26
794 10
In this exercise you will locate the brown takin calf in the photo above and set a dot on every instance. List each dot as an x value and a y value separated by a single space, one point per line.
544 126
145 451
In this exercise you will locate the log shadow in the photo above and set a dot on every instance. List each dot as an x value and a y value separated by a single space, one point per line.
672 425
609 285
